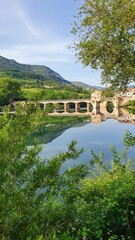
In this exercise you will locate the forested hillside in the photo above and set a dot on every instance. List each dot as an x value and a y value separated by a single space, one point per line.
9 67
31 82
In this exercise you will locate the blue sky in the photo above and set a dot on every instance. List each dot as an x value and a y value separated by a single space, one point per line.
38 32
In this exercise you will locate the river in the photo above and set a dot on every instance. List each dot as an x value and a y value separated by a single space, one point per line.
92 135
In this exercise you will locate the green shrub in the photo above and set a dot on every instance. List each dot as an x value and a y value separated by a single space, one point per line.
39 202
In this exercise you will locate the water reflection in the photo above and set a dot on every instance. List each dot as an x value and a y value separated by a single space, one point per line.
48 132
97 131
99 115
98 137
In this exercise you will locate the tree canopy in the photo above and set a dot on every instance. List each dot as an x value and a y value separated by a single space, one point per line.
105 39
9 89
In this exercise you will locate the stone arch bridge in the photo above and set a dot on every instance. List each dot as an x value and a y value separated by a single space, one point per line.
68 104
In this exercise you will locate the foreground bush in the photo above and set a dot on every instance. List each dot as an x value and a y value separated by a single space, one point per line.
38 201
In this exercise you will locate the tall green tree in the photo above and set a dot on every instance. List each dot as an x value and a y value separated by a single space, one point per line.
9 89
105 39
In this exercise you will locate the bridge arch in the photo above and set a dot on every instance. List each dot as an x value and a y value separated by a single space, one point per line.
41 106
59 107
109 106
83 106
71 106
49 107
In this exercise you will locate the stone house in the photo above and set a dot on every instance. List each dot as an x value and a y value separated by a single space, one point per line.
96 95
130 92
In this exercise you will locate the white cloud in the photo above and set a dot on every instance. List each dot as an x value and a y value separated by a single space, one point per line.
26 20
16 23
39 53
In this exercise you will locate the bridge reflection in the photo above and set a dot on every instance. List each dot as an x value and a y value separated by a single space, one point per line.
99 115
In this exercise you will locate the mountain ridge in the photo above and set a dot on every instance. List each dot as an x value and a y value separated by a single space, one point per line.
12 68
86 86
39 71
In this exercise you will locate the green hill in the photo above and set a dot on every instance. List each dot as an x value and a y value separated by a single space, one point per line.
9 67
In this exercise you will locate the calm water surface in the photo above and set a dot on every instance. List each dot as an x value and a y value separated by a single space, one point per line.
97 137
